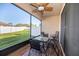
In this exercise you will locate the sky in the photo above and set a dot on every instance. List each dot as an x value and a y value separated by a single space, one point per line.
12 14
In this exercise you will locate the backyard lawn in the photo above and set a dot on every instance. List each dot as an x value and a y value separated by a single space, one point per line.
10 39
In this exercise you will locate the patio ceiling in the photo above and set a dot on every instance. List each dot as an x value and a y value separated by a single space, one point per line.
57 8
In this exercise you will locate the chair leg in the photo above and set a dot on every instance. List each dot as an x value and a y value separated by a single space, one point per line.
29 52
55 50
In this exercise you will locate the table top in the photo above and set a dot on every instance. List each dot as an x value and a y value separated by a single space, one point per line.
41 38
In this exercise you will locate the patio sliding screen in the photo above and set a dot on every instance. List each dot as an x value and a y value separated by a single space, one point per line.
35 26
14 25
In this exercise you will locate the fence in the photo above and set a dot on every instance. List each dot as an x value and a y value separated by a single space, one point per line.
8 29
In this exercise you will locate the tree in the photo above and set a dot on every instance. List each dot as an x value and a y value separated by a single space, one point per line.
27 25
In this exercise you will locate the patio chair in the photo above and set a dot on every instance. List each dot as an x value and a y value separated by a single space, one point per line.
56 46
54 43
35 44
45 46
44 34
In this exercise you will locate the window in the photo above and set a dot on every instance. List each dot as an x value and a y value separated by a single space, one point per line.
36 26
14 25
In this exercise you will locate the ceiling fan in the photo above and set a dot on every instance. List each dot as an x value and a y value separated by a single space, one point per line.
42 7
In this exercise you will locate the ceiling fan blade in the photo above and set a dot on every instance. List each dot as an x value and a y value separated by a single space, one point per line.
42 12
35 11
48 8
45 4
35 5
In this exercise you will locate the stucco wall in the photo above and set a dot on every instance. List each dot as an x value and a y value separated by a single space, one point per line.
50 24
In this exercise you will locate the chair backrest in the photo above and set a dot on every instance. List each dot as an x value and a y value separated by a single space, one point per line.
44 34
57 35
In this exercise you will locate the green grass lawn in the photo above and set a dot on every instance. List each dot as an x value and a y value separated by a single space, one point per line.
10 39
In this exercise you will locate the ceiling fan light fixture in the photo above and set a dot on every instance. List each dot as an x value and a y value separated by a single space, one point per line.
40 8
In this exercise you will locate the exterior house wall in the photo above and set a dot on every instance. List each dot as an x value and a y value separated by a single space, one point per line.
50 24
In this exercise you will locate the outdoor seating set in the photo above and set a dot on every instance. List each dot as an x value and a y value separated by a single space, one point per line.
45 44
